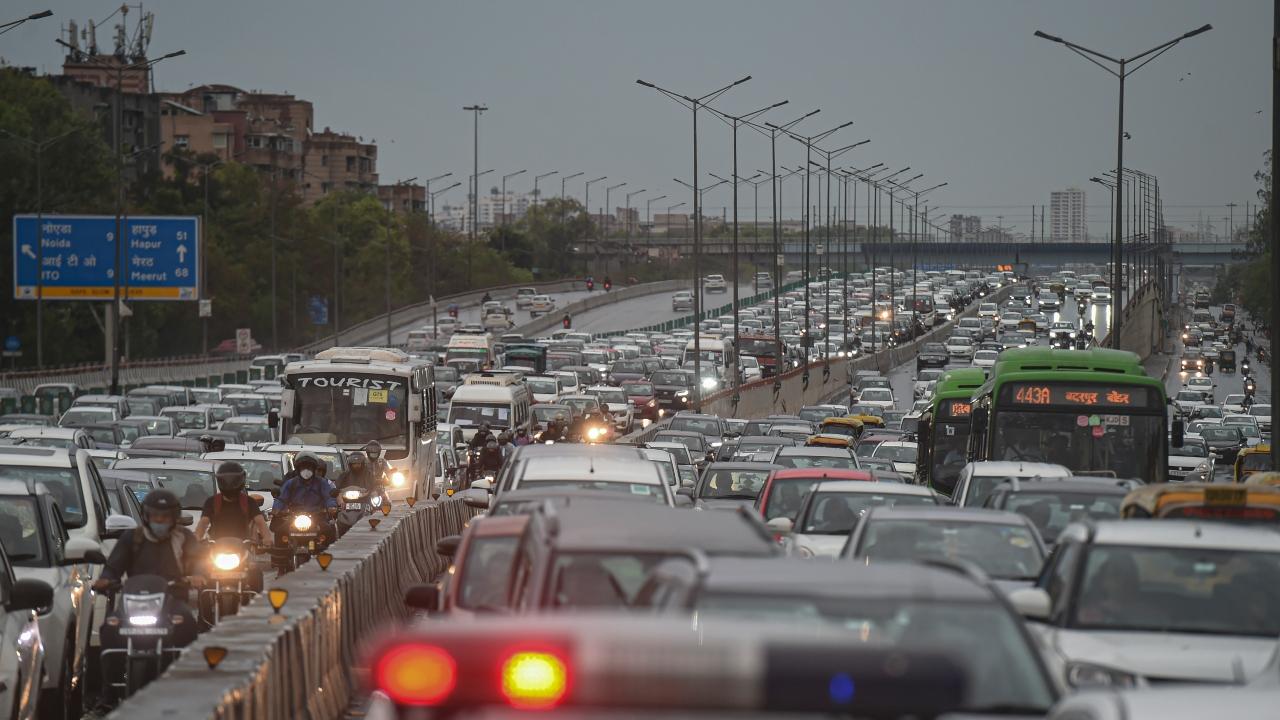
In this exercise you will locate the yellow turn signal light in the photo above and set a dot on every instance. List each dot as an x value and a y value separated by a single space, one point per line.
277 597
323 559
534 680
214 655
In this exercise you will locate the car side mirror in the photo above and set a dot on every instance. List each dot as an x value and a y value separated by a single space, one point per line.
1032 603
482 484
29 594
685 491
447 546
781 525
82 550
116 525
1179 433
423 598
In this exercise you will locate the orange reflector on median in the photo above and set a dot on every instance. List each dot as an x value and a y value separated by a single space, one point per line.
416 674
534 680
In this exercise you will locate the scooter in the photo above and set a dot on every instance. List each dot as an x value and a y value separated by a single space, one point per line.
230 565
354 504
154 629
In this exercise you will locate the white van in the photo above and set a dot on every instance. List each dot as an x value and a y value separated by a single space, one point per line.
500 399
714 351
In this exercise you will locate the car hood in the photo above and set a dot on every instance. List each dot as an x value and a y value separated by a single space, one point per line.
1169 656
618 407
669 389
1186 460
625 375
822 546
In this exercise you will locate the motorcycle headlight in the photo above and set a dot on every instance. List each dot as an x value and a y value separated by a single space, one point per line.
376 501
397 479
226 562
594 433
302 522
143 610
351 495
1088 675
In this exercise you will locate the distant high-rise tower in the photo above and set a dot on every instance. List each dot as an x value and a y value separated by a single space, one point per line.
1067 216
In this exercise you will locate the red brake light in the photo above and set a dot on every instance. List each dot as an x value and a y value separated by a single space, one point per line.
416 674
534 680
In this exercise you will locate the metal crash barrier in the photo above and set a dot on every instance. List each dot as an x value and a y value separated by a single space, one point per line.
299 663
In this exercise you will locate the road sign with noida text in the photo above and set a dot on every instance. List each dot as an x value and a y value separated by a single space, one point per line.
161 258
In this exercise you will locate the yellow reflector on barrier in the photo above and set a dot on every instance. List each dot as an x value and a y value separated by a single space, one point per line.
277 597
213 655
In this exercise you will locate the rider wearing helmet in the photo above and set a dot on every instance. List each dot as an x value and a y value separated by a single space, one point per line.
304 490
159 547
232 513
360 472
504 444
491 457
482 437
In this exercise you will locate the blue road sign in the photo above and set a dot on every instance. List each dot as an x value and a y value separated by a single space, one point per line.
162 258
12 343
318 309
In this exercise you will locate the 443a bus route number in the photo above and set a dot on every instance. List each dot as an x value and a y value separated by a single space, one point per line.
1033 395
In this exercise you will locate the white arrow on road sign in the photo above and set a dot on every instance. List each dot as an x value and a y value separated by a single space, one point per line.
26 250
182 253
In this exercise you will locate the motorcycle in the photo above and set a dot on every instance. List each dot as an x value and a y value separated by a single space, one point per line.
230 565
354 504
154 630
303 536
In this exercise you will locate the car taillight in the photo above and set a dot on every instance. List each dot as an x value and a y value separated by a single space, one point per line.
416 674
534 680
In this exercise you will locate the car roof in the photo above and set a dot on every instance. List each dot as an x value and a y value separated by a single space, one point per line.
35 456
740 465
1185 533
243 455
822 474
1100 485
879 580
813 451
152 463
570 468
604 526
45 432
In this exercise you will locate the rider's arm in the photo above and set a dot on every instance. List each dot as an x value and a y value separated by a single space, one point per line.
330 501
260 530
202 527
285 491
119 561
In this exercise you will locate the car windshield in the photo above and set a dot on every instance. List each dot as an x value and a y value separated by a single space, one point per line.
582 405
161 426
21 531
1192 449
474 415
1128 445
832 513
86 415
876 395
547 414
192 487
896 453
589 580
250 431
1179 590
837 461
338 409
262 474
64 483
1220 433
1005 670
693 443
1260 411
486 573
543 386
703 426
638 388
628 366
189 419
246 405
786 496
611 397
1050 512
726 483
1003 551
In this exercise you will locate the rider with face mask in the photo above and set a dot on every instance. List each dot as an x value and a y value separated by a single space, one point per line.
160 547
304 490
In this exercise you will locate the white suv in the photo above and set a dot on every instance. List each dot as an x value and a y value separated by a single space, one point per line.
715 283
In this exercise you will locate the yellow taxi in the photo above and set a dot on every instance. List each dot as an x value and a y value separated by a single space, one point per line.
1248 503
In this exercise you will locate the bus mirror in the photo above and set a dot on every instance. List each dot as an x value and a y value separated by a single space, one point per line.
980 420
1179 433
415 408
286 404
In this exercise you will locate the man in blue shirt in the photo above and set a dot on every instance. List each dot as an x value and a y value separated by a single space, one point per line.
305 491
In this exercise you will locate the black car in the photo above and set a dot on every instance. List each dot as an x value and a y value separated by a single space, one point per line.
1225 441
673 389
625 370
932 355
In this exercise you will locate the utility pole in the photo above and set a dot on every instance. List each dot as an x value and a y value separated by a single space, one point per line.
475 111
1275 206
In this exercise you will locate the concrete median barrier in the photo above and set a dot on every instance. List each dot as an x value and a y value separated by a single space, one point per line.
300 662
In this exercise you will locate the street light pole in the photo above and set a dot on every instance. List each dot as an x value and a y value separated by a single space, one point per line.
648 219
693 104
504 203
628 225
6 27
391 218
1121 72
431 278
536 178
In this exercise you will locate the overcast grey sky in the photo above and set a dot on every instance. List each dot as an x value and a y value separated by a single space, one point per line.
960 90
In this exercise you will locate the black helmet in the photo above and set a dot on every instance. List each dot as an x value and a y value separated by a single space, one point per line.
373 449
306 460
230 477
162 501
356 458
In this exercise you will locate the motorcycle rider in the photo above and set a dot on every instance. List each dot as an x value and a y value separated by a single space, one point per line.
522 438
504 444
483 435
377 463
555 429
490 459
232 513
305 490
360 473
160 547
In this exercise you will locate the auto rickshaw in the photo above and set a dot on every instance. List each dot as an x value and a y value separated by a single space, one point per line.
844 442
1252 460
1205 501
1027 324
846 426
1227 361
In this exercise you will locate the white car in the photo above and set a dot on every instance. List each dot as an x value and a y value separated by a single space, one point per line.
1157 603
682 300
1263 415
446 326
524 296
541 305
1188 400
960 347
1192 462
22 648
880 398
831 509
1101 297
1245 419
985 359
924 382
988 310
751 369
715 283
1203 384
544 388
978 479
901 453
39 549
1010 320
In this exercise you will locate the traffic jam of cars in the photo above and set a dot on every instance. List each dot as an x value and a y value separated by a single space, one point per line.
1014 522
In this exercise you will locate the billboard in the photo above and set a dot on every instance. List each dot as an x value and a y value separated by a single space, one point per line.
78 258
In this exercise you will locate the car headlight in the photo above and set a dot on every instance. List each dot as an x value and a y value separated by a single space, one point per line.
302 522
397 479
226 562
709 383
1088 675
351 495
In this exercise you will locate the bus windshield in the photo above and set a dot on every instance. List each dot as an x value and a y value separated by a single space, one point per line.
336 409
1128 445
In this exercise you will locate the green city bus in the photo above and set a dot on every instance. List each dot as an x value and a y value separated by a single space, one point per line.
1094 411
944 429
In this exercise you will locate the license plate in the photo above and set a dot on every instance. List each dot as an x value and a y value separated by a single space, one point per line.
302 534
152 631
1218 497
355 506
1178 472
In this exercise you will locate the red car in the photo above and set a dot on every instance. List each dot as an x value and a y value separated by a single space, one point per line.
783 492
642 394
